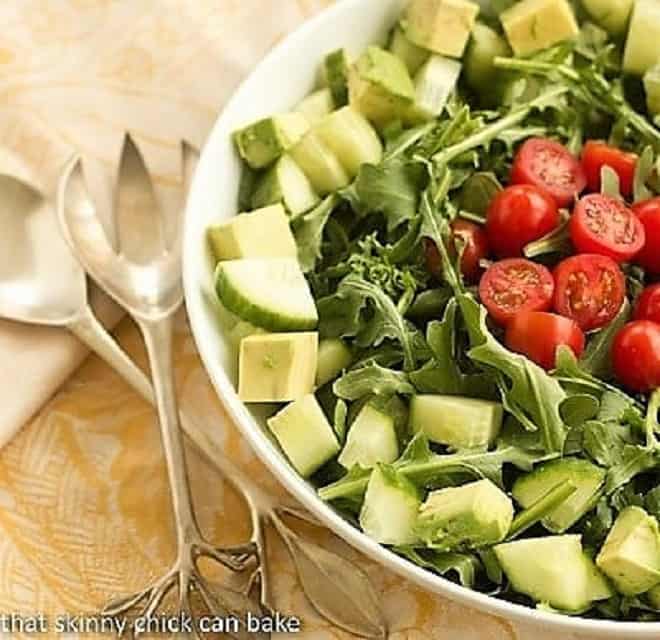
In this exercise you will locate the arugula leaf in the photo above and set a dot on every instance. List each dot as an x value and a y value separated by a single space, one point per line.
643 171
340 314
610 183
605 442
478 192
372 380
339 422
652 502
308 231
634 460
465 566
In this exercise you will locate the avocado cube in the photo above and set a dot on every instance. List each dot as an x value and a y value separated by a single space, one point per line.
442 26
277 367
533 25
264 233
630 556
380 86
263 142
643 44
466 517
305 435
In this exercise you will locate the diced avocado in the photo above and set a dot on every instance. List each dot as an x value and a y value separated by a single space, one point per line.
334 357
653 597
389 512
458 422
586 477
263 142
652 88
371 439
480 72
285 182
467 517
533 25
316 106
305 435
264 233
434 83
336 67
410 54
643 44
320 165
380 86
350 136
612 15
554 571
630 556
277 367
443 26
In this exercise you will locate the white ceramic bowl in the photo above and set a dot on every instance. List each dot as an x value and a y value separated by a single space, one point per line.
280 81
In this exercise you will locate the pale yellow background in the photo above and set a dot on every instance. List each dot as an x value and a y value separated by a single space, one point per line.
84 512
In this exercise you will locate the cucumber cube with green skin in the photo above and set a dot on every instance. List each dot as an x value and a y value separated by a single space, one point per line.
264 233
442 26
653 597
410 54
316 106
320 164
277 367
434 83
286 182
652 88
336 67
630 556
643 44
554 571
480 72
380 86
612 15
350 136
263 142
371 439
586 477
474 515
334 357
533 25
305 435
390 507
461 423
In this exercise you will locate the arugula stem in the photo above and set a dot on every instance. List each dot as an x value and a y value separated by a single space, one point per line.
533 66
472 217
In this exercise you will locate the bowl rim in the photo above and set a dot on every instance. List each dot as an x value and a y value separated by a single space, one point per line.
275 461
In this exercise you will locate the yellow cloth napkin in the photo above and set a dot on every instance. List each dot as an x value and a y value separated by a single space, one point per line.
84 508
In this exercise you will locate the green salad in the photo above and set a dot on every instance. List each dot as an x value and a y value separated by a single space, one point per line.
446 285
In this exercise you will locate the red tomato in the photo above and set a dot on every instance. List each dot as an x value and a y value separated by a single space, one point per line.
475 250
596 155
590 289
515 285
550 166
636 355
604 225
538 335
648 213
648 304
517 216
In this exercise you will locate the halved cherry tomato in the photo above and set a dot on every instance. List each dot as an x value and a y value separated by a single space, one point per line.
648 213
590 289
636 355
550 166
517 216
538 335
515 285
596 155
604 225
648 304
475 250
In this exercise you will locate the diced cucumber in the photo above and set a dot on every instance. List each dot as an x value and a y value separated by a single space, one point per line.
270 293
410 54
652 88
286 182
263 142
264 233
455 421
316 106
336 68
334 357
434 83
276 367
350 136
554 571
480 72
643 44
586 477
389 512
371 439
305 435
320 165
612 15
